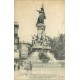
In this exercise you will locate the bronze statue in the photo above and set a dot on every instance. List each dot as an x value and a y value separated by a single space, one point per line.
41 16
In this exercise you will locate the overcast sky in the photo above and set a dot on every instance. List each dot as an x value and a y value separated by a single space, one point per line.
26 15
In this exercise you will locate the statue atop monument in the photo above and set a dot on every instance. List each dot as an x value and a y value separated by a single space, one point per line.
41 16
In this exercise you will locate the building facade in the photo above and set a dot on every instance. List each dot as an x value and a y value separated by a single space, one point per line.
16 46
25 50
21 49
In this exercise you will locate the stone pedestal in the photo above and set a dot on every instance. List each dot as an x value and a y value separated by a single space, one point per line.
40 30
40 43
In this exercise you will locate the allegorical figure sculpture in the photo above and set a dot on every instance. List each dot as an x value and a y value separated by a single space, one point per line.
41 16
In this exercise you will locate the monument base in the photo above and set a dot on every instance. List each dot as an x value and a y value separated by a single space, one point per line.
34 57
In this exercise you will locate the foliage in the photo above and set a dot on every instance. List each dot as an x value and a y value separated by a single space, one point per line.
58 47
43 57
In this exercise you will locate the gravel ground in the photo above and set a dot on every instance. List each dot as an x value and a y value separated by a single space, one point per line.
40 74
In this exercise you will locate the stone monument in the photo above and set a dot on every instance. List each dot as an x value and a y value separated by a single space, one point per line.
40 42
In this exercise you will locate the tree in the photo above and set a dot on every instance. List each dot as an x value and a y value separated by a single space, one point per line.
58 47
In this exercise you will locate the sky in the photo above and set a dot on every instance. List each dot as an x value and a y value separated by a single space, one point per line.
26 15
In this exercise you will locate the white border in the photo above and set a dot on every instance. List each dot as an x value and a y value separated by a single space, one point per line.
72 24
72 29
6 39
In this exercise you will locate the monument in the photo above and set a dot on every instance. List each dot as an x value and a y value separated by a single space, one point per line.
40 42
